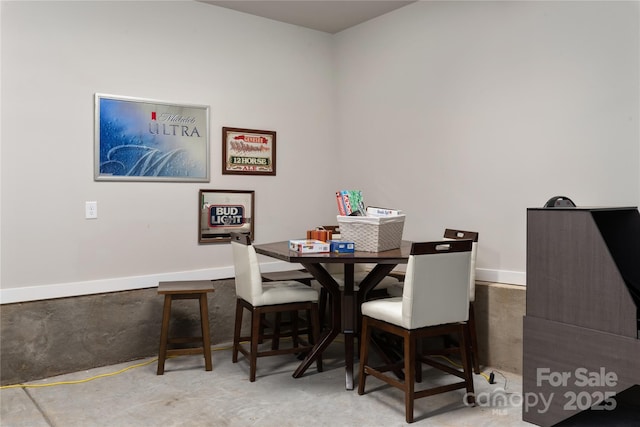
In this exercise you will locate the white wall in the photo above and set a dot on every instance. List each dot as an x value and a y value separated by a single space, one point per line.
468 113
462 114
254 73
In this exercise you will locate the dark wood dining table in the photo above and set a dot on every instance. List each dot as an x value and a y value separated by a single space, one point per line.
345 305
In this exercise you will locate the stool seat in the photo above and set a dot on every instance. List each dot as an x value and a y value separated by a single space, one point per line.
185 289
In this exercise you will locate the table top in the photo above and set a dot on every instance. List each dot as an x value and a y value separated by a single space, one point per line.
280 250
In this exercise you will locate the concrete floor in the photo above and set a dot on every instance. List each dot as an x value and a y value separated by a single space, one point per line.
187 395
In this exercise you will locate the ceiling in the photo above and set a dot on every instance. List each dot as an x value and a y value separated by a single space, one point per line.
330 16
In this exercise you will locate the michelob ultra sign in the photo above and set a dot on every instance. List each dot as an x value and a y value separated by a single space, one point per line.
226 215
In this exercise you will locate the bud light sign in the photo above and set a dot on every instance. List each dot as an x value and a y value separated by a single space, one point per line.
226 215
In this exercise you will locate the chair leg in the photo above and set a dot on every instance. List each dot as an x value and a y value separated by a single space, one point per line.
465 354
409 374
473 344
419 345
412 361
255 334
275 339
365 338
298 328
236 332
263 318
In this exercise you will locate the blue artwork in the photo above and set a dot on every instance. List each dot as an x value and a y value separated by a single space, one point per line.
146 140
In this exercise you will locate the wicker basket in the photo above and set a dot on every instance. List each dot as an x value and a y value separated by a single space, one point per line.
372 234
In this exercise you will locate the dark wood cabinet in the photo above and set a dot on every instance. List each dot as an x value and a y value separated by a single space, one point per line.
581 328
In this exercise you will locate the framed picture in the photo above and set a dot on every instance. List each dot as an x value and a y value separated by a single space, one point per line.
146 140
222 212
248 152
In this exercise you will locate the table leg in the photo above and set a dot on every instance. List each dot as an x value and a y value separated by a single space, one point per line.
349 309
333 288
320 346
345 312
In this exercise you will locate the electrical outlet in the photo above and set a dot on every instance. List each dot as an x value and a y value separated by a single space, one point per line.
91 210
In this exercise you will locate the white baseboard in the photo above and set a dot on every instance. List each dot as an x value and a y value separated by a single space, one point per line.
502 276
494 276
74 289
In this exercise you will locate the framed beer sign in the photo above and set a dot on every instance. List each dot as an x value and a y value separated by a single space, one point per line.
140 139
222 212
248 152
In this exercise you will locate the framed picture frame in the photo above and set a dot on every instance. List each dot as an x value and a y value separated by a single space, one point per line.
139 139
248 151
221 212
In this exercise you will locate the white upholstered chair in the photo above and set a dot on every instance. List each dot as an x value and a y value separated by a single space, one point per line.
269 297
434 302
453 234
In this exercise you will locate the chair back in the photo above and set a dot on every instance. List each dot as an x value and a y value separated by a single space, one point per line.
248 279
451 234
436 286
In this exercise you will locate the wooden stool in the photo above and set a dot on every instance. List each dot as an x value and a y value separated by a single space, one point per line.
185 289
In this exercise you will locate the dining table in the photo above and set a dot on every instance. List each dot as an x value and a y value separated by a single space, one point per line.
345 303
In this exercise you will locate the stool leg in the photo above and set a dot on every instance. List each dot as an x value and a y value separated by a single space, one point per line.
164 334
206 339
